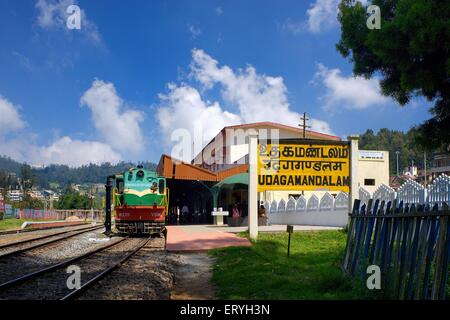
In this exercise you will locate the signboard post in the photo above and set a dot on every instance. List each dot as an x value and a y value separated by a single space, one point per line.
300 164
253 186
218 215
2 209
354 153
289 230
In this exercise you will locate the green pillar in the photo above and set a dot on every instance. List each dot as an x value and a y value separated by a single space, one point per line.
215 192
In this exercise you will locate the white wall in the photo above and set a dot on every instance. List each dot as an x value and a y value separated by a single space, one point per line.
375 167
325 211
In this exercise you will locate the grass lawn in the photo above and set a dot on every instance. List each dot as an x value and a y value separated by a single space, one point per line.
11 223
263 271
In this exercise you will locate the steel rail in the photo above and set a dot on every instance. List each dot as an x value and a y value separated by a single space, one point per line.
108 270
75 233
37 273
10 244
20 231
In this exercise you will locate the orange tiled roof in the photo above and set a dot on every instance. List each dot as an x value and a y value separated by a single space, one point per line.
172 168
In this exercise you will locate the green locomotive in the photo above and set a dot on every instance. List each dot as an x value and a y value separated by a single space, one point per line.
140 199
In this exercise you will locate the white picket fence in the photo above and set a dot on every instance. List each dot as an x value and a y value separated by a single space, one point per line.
327 211
330 211
412 192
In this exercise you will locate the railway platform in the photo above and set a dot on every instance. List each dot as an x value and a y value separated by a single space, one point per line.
196 238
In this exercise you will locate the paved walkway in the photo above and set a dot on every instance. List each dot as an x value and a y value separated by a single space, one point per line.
200 238
194 238
271 228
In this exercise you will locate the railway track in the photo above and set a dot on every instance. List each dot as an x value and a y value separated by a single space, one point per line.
21 231
17 247
51 282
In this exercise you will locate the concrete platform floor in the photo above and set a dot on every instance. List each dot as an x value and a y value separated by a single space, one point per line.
194 238
271 228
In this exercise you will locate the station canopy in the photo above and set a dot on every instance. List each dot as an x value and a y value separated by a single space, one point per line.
175 169
240 178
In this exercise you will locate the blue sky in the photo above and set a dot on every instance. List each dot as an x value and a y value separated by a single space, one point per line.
138 70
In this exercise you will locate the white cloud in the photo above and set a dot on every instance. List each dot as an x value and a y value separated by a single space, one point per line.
322 15
54 63
319 126
219 11
257 96
76 153
52 15
183 107
10 119
64 150
294 27
120 128
21 145
252 96
195 32
348 92
220 38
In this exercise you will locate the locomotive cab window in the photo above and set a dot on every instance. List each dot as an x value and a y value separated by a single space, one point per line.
140 175
162 185
119 185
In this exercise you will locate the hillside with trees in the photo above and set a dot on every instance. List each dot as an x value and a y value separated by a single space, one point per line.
392 141
61 174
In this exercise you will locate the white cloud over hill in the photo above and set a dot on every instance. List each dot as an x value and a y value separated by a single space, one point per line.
116 126
248 95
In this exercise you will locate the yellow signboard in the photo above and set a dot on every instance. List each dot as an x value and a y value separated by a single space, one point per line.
304 165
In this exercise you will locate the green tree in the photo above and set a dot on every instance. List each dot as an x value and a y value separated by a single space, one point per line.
73 200
392 141
29 202
411 52
27 178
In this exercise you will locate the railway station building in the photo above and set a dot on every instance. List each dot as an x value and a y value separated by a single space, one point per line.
217 177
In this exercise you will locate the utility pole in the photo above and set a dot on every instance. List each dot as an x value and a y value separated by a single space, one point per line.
91 195
397 153
425 168
303 124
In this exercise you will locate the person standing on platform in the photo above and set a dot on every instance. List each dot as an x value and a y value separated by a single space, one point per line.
236 215
184 213
262 215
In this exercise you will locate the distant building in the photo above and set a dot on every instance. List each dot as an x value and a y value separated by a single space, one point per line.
395 182
98 188
15 195
373 169
440 164
411 172
36 194
227 155
50 195
228 150
230 146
